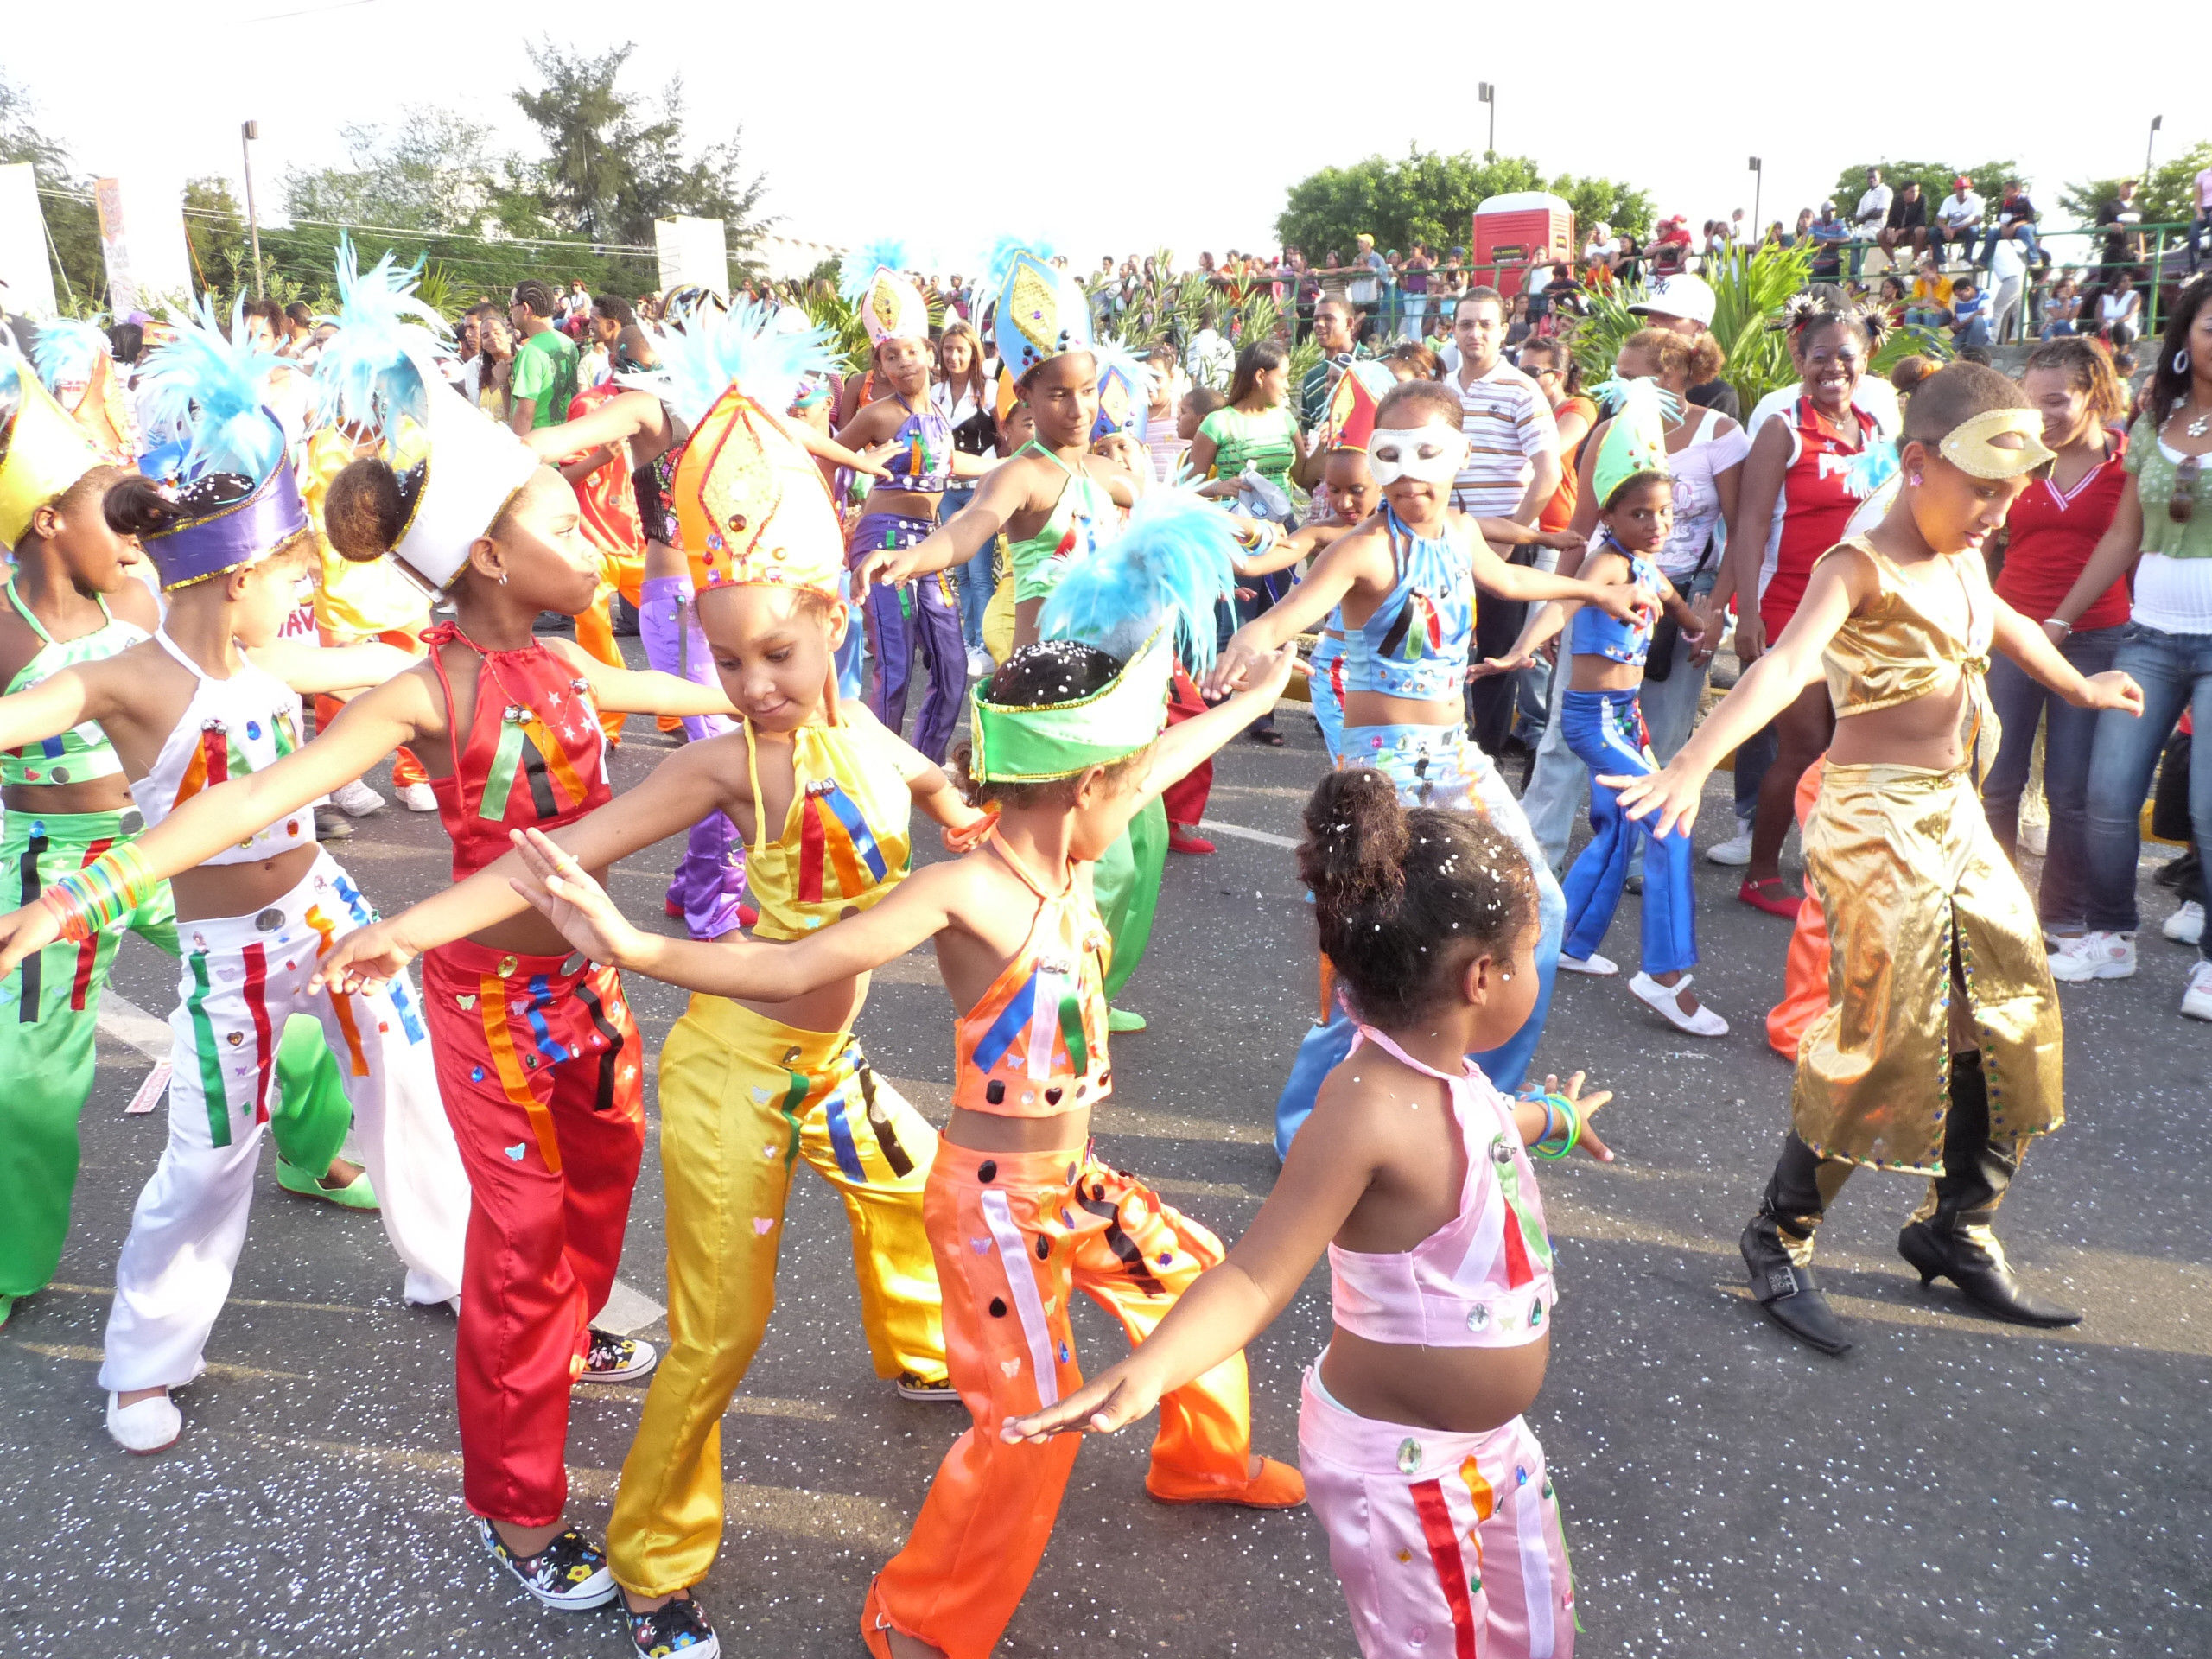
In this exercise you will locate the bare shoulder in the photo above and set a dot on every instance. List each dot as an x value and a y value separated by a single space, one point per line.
135 603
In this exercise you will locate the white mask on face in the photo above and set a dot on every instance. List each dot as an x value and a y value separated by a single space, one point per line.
1430 453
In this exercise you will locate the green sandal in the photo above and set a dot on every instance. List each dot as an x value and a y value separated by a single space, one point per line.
1119 1020
356 1194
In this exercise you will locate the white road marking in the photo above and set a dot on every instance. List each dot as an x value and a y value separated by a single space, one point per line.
133 1027
1215 826
628 1311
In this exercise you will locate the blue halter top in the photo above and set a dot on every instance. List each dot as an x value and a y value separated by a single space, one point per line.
1595 634
1414 644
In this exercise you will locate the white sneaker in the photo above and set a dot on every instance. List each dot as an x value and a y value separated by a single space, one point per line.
980 665
2197 999
1735 852
1704 1023
2095 956
1596 966
2035 838
153 1425
356 800
417 797
2185 925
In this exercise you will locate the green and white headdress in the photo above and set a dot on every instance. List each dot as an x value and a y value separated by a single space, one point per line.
1144 597
1636 439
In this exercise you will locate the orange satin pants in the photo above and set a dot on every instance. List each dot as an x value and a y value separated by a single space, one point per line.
1805 976
405 768
1015 1235
595 629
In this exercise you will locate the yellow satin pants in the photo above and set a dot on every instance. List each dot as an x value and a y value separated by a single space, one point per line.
743 1099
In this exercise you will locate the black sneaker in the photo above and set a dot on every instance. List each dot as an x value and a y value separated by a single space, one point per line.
617 1359
912 1387
676 1626
570 1574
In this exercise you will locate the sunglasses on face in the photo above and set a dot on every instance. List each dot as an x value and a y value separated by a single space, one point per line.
2181 506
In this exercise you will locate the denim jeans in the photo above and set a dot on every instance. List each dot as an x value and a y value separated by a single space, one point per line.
972 578
2198 226
2023 234
2020 703
1976 333
2175 671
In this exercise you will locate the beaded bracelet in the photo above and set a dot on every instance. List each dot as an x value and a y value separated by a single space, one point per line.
1565 1108
88 901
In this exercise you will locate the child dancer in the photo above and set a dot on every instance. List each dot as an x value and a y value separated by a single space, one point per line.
1939 1052
920 618
1019 1214
184 711
823 793
1406 581
1411 1432
1604 724
75 597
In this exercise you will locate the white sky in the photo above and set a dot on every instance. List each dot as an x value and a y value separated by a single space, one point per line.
1099 88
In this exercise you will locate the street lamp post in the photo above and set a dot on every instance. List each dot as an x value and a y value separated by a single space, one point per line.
1758 187
2157 122
247 133
1488 93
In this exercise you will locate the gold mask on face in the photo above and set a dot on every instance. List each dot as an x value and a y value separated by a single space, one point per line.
1969 447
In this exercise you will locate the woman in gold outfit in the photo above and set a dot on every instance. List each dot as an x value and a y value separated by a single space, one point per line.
1939 1051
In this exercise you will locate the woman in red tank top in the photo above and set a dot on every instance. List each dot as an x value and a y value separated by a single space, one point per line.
1798 497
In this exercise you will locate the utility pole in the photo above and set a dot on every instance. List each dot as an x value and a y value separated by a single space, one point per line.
2156 121
247 133
1488 94
1758 186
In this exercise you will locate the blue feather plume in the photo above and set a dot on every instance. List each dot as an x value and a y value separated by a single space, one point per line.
368 371
65 350
748 346
1871 468
1000 263
216 390
1169 567
859 267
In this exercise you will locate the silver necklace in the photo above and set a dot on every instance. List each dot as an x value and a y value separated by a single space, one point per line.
2201 425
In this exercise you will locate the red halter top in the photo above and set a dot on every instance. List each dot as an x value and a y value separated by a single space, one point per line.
535 756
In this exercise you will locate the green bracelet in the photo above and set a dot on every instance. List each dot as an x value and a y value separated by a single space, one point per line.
1565 1108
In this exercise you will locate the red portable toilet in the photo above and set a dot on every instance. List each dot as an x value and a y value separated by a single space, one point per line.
1517 230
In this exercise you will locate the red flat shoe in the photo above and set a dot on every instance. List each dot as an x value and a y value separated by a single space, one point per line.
675 911
1180 839
1777 903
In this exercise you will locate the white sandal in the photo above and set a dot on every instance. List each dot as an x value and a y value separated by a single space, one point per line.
144 1427
1596 966
1704 1023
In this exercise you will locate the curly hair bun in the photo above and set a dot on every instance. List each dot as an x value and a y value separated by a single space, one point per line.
365 512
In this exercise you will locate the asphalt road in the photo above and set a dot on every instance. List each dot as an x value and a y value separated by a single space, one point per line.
1953 1487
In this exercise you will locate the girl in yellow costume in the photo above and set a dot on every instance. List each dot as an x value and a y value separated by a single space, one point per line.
823 794
1939 1051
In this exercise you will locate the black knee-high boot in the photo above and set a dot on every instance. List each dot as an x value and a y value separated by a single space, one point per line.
1777 1245
1950 1236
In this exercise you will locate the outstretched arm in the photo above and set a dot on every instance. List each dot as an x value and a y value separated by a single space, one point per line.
2030 647
1181 747
55 704
957 540
1628 602
1333 575
646 691
313 669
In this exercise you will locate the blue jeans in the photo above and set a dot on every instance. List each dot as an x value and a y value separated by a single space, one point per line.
972 578
1607 732
2069 736
2198 226
2175 671
2023 234
1435 765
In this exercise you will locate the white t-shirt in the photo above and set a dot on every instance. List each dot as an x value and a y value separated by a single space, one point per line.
2006 262
1955 213
1873 208
1697 497
1508 424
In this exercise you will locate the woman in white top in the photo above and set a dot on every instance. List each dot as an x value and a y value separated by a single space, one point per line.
1704 456
961 389
2120 313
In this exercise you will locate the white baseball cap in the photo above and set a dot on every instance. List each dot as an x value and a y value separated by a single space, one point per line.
1678 296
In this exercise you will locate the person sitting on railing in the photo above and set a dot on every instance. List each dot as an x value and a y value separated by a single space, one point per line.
1828 234
2016 223
1906 223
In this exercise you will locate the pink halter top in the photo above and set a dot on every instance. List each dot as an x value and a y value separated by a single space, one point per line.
1483 1280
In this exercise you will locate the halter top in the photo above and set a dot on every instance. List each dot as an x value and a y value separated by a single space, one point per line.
1484 1279
535 756
82 751
844 842
1034 1045
1920 633
1815 506
1414 643
231 727
921 455
1083 514
1597 633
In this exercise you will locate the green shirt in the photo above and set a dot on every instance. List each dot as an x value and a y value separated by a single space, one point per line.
1267 440
2155 474
545 372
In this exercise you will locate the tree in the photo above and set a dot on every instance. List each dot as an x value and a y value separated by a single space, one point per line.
2172 198
72 226
1431 198
1934 178
615 163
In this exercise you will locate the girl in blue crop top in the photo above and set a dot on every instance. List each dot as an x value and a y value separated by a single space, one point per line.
1604 725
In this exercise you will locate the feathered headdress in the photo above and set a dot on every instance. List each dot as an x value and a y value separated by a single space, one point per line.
749 346
42 451
1153 589
235 483
76 360
1042 311
1126 384
1353 405
380 373
1636 439
68 350
998 263
872 278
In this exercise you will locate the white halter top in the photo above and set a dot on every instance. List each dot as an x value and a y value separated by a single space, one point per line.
245 724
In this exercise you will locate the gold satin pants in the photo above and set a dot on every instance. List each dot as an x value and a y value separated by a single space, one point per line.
1911 881
743 1099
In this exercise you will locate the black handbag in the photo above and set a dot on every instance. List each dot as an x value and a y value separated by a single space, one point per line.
1659 658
